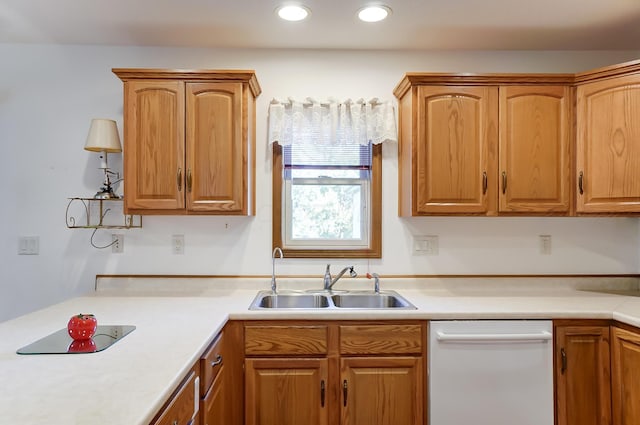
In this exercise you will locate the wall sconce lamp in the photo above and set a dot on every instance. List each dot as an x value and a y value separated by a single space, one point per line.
103 137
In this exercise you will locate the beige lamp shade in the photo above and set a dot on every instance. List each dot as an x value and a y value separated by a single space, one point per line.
103 136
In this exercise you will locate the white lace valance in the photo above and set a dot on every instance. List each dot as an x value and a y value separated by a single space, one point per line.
332 122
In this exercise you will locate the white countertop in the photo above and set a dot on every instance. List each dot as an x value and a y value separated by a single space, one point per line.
128 382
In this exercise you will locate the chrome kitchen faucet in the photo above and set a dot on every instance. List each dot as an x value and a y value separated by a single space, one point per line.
329 282
276 250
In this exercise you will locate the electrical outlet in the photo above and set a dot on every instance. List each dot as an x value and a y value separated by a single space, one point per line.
28 245
545 244
177 244
118 243
425 245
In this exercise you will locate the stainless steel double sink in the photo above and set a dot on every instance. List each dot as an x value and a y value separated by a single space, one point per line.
331 300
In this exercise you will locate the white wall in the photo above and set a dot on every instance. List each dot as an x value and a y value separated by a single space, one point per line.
48 95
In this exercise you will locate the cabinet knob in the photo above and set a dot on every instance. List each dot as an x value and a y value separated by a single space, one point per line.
322 389
189 180
563 355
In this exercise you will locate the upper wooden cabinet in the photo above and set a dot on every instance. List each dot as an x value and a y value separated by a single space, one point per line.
608 145
445 165
484 145
189 141
535 149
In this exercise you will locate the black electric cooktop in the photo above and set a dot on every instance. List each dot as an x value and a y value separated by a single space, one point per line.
61 343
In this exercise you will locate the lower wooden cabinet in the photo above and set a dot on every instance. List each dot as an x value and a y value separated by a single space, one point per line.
213 405
182 407
626 376
213 392
330 373
382 390
583 384
286 391
373 373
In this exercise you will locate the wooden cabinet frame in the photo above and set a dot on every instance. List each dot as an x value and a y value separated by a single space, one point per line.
598 157
189 141
388 353
495 128
582 372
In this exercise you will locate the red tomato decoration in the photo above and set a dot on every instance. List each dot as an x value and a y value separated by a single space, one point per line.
82 346
82 326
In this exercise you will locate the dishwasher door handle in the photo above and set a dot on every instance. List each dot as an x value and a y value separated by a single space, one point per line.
489 337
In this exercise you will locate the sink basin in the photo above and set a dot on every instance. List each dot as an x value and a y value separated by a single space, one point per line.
371 300
270 300
329 300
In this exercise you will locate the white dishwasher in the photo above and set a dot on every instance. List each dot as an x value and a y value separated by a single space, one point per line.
491 372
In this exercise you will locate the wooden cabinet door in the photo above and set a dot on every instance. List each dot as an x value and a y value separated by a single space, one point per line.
181 408
213 389
286 391
214 411
454 168
153 146
216 154
608 145
382 391
535 149
583 384
626 377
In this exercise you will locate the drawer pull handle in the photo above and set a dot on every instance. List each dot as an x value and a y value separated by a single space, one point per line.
489 338
563 355
179 179
322 393
580 179
345 391
484 182
504 182
217 361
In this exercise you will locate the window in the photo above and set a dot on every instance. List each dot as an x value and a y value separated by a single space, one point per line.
327 176
327 201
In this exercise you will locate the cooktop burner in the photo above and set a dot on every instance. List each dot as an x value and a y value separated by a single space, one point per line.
61 343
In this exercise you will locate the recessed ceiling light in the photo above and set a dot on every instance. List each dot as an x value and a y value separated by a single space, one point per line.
293 12
374 13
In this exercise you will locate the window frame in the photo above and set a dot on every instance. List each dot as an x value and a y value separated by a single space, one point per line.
374 248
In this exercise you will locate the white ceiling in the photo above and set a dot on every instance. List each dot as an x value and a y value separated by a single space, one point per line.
414 24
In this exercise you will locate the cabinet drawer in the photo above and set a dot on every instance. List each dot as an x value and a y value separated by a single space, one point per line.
211 363
287 340
182 406
381 339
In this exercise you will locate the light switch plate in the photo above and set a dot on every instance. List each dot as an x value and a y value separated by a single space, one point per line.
177 244
425 245
545 244
28 245
117 239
